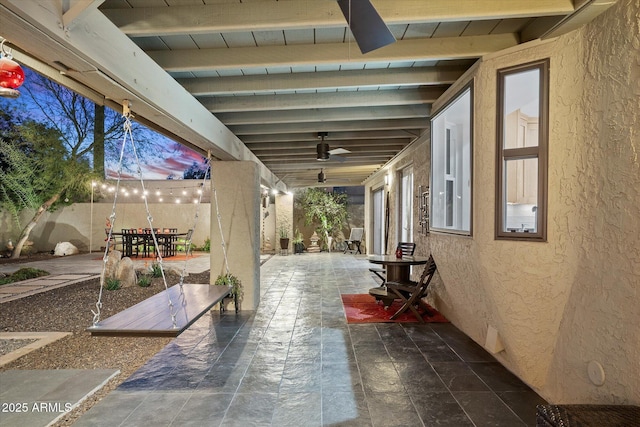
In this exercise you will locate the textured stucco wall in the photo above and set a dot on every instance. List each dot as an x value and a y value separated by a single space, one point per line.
74 223
561 304
599 189
416 156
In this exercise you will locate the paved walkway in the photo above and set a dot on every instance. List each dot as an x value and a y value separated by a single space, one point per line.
296 362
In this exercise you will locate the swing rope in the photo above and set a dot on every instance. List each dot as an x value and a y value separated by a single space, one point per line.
195 222
128 135
224 246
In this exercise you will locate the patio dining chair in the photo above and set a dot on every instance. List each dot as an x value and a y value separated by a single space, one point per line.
355 239
411 294
182 243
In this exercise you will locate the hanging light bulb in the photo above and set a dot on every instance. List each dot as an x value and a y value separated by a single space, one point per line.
11 74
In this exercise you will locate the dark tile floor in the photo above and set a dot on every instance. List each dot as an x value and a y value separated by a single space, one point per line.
296 362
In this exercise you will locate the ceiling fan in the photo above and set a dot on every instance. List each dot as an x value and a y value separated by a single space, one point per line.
367 27
323 151
322 177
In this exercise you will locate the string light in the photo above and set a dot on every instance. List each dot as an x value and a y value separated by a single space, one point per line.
161 194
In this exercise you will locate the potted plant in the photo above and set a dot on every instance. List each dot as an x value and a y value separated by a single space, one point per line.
235 284
283 232
298 244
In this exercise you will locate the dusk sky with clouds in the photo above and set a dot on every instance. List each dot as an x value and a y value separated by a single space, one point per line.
168 162
165 159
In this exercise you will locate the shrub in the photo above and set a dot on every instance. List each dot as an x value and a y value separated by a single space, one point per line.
112 284
23 274
144 281
207 245
233 282
156 270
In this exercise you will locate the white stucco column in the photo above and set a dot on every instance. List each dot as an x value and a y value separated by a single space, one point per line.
237 185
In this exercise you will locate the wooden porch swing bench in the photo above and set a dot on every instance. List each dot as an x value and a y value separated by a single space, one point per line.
170 312
152 317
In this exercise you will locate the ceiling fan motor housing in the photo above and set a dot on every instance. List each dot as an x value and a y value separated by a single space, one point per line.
322 150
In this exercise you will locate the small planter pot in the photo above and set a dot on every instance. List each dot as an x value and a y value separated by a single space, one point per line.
284 243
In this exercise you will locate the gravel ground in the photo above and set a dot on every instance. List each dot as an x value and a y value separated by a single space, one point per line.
7 346
68 309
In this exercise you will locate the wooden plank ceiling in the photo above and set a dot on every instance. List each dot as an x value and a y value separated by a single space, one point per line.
276 73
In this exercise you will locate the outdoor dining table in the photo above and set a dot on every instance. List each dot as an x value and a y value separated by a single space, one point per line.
133 238
398 269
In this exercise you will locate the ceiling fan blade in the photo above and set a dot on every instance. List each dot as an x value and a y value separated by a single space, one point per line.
366 25
339 151
338 159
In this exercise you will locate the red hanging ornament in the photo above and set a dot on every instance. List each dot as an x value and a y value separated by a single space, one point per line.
11 74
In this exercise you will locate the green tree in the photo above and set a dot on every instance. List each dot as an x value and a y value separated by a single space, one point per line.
196 170
37 173
85 129
327 210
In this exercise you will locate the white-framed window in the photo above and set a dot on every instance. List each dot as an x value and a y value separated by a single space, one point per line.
451 165
521 152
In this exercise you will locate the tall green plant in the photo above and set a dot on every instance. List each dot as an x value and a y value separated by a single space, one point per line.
37 173
328 211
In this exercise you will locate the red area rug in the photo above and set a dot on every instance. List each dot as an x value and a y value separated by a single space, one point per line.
363 308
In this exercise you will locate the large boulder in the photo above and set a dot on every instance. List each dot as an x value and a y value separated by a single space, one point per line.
112 263
126 273
64 249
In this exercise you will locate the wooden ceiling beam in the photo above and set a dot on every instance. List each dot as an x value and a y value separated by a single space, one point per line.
400 134
374 98
298 14
347 79
369 125
325 114
421 49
